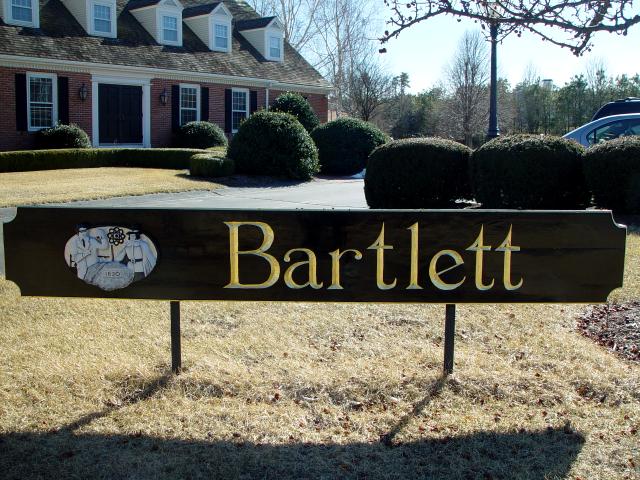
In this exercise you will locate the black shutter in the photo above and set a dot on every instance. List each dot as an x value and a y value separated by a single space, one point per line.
227 110
175 107
21 101
204 104
63 100
253 103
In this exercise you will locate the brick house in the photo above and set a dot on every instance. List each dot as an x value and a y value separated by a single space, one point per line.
129 72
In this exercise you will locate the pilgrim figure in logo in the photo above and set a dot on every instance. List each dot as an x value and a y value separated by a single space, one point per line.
84 249
137 255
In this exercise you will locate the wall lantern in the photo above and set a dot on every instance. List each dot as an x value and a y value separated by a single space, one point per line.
82 92
163 97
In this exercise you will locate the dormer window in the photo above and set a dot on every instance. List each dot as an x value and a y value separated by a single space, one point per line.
221 36
23 13
266 34
212 24
275 50
161 18
102 20
169 29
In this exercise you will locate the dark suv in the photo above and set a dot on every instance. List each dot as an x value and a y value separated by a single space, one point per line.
619 107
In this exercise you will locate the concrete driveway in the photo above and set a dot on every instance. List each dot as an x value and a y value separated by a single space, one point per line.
321 193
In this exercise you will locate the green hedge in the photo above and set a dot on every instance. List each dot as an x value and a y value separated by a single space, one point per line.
29 160
612 170
417 173
274 143
345 144
208 165
529 171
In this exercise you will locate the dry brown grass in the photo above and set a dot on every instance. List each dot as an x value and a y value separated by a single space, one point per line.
275 390
49 186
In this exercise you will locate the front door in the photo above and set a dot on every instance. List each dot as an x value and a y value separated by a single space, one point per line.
120 114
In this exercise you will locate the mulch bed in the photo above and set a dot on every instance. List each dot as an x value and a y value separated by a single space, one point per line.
614 326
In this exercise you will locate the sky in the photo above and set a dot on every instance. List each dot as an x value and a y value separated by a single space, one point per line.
424 50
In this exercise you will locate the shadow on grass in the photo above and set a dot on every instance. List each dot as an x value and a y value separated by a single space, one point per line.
535 455
62 453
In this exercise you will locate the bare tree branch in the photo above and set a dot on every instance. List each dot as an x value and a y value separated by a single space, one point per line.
570 24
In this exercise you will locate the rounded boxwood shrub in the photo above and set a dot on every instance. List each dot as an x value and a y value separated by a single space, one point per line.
529 171
63 136
345 144
207 165
299 107
200 135
274 143
417 173
612 170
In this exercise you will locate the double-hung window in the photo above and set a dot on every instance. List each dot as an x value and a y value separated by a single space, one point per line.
221 34
41 100
275 48
169 28
22 11
189 104
102 18
239 108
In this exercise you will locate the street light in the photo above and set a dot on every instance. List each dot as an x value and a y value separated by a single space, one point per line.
494 130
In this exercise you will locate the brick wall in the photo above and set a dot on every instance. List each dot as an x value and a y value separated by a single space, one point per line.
79 112
161 128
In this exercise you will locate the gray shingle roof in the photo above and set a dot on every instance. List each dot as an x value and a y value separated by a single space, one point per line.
199 10
61 37
253 23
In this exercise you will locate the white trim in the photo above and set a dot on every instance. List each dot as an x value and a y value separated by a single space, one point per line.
54 99
271 36
18 61
145 83
91 30
248 102
35 15
188 85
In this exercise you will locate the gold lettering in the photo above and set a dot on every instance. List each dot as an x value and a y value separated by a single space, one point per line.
479 248
507 248
313 278
434 274
234 253
380 247
413 278
335 266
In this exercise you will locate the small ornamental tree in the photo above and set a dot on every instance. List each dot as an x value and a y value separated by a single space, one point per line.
529 171
274 143
612 170
299 107
345 144
417 173
200 135
62 136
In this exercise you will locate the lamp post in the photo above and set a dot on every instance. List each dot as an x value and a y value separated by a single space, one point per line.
494 130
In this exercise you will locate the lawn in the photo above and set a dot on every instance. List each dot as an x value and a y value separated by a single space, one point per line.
277 390
47 186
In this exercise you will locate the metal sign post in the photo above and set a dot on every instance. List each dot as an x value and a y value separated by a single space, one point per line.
176 352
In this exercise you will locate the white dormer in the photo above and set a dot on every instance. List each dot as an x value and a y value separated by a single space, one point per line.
22 13
97 17
212 24
266 35
162 19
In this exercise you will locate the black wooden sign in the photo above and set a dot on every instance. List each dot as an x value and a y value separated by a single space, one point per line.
440 256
